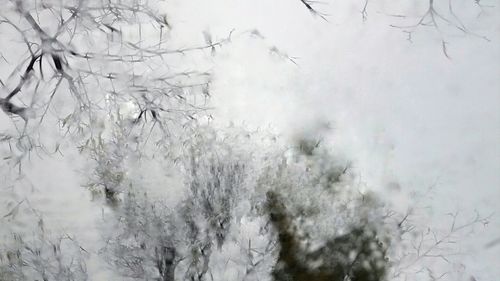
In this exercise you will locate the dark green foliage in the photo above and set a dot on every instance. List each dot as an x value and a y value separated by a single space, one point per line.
308 146
356 256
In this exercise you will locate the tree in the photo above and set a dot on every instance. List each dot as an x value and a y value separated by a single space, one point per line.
108 74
